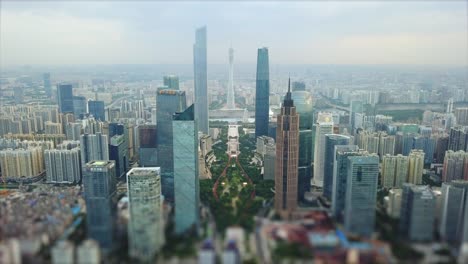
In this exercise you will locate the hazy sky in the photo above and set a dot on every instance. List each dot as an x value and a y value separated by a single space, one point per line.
315 32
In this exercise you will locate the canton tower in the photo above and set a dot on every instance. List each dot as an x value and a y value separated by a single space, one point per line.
230 94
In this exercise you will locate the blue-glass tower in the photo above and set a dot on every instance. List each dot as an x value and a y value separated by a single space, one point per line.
262 93
96 108
331 140
65 98
201 85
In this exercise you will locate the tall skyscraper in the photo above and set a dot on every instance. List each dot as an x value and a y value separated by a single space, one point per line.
148 151
287 158
171 81
63 165
324 126
168 102
73 131
99 189
454 218
230 93
340 176
145 229
96 108
201 85
361 194
262 93
331 141
415 166
118 152
93 147
47 85
186 186
417 212
394 171
303 103
65 98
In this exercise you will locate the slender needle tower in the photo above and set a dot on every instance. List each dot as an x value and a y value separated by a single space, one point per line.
230 94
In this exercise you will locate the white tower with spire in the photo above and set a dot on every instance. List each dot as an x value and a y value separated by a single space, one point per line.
230 93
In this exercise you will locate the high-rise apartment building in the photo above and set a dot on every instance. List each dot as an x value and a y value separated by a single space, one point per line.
331 141
262 93
462 116
99 188
455 166
394 171
65 98
186 182
415 166
287 158
323 127
168 102
361 194
16 163
458 138
201 85
63 165
146 228
417 212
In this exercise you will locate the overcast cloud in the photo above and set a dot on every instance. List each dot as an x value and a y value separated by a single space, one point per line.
340 32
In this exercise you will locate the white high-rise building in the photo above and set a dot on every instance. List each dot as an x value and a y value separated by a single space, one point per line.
145 229
394 171
324 126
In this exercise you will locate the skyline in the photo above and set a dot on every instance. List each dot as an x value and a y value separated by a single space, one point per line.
141 33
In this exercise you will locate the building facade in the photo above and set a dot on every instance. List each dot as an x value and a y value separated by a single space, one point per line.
331 141
262 93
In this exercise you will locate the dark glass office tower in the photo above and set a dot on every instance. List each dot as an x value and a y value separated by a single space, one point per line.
99 189
201 86
262 93
96 108
118 152
168 102
148 151
47 86
65 98
331 140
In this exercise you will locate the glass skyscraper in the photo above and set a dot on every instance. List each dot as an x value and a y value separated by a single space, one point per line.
65 98
340 176
201 85
96 108
303 102
262 93
168 102
361 194
47 85
171 81
99 189
118 152
186 186
331 140
79 106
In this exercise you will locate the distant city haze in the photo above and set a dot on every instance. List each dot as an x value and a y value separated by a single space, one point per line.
316 32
